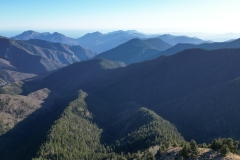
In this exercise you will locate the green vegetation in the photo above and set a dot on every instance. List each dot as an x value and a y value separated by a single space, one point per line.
190 149
76 135
224 150
151 130
73 136
225 145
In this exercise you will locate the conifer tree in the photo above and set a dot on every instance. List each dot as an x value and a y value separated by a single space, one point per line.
224 150
194 148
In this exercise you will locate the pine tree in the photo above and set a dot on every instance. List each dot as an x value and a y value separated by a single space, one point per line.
235 147
161 150
216 144
224 150
186 150
194 148
229 142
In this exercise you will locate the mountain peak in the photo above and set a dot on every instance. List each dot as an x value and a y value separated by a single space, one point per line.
56 33
135 40
30 32
92 35
46 36
122 31
26 35
135 50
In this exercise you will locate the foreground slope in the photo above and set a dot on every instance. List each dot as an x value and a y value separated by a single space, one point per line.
60 127
87 143
135 50
196 90
159 81
14 108
219 109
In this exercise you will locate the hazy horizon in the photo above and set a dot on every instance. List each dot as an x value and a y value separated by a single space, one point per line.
75 18
218 37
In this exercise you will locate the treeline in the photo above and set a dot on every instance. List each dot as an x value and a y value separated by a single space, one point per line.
222 145
225 145
191 150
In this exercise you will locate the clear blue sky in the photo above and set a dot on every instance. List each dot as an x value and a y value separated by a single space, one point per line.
150 16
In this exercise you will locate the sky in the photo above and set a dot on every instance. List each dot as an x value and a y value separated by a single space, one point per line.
148 16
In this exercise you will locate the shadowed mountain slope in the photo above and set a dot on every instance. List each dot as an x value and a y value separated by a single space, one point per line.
206 114
25 59
153 82
208 46
135 50
22 59
197 90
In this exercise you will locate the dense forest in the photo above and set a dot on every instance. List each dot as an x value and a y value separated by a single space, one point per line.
75 135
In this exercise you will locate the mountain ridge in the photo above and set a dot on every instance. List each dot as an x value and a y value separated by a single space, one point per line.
36 57
108 95
135 50
101 42
208 46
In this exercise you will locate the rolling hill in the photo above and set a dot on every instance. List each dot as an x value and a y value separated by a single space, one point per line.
135 50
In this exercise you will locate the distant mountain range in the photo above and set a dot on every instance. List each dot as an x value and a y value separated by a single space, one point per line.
24 59
135 50
138 50
55 37
100 42
173 40
208 46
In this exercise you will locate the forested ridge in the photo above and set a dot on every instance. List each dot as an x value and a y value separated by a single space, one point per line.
76 135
